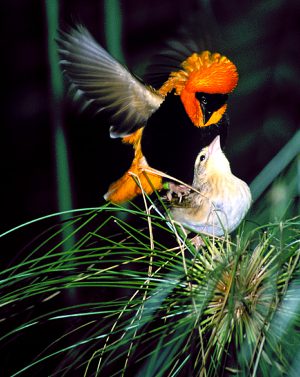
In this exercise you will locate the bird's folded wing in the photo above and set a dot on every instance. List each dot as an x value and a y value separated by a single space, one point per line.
105 82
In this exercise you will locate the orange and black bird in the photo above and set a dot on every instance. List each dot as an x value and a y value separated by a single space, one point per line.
195 94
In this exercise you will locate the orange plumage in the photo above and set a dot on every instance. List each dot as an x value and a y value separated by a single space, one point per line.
104 82
129 185
205 72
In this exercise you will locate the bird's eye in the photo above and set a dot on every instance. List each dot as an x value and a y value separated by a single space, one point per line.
202 157
203 100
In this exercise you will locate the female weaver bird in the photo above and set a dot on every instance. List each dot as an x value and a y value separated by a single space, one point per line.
219 200
197 92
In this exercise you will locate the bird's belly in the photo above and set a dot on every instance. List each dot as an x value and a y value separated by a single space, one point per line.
220 217
229 213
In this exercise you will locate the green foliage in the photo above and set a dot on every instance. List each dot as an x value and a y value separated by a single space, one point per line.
60 151
149 303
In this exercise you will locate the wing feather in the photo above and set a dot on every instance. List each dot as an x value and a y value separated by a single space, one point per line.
106 83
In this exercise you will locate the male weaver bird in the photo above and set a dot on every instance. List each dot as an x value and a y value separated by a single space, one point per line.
219 201
197 91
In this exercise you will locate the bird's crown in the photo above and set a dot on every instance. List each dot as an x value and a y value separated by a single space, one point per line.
205 72
209 73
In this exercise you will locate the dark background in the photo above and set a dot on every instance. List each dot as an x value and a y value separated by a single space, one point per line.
260 37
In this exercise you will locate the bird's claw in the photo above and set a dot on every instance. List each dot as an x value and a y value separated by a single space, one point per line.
179 190
197 242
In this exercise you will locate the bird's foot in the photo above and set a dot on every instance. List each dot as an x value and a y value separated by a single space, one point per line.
197 242
179 190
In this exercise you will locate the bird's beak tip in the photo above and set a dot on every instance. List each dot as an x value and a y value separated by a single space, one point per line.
215 145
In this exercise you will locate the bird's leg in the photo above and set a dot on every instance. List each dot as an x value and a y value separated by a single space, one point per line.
179 190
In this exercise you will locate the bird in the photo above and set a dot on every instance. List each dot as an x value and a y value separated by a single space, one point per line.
198 89
217 200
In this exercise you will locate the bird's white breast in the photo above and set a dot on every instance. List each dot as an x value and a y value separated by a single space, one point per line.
219 209
229 207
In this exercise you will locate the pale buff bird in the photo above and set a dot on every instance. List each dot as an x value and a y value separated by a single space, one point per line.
221 200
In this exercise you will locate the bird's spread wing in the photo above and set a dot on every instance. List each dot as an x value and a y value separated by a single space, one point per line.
106 83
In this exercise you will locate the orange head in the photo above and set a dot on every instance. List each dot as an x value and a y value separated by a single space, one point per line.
203 75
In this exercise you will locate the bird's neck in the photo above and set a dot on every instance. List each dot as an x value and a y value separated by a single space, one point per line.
208 178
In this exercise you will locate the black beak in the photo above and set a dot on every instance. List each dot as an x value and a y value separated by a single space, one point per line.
206 113
210 103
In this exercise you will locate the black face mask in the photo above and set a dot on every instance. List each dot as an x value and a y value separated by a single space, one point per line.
209 103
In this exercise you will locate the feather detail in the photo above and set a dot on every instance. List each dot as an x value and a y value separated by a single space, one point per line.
106 83
129 185
207 73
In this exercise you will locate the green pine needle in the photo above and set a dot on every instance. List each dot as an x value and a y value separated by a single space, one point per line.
150 303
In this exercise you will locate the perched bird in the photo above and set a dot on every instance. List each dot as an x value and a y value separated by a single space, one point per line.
219 201
198 89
